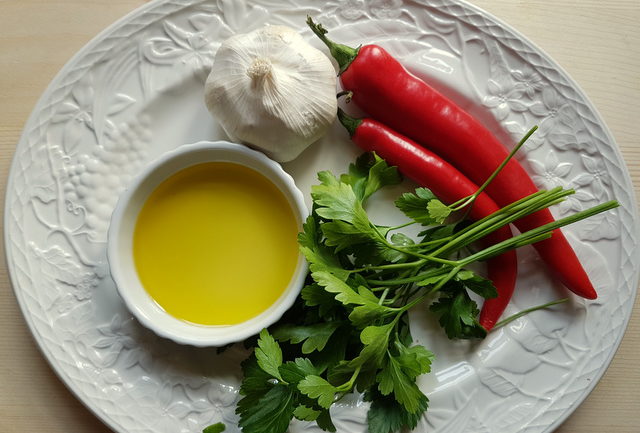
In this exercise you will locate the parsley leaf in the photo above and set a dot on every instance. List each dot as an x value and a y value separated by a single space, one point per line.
255 383
324 421
439 232
340 373
341 235
315 336
364 315
369 174
476 283
337 201
374 253
314 295
392 378
386 415
343 292
215 428
376 342
335 351
318 388
369 307
458 315
348 223
438 211
370 310
319 256
272 413
304 413
269 354
414 360
401 240
295 371
417 206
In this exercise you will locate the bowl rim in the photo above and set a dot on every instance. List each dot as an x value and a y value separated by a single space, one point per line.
236 332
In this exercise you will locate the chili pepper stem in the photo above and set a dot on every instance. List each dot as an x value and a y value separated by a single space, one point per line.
343 54
350 123
348 95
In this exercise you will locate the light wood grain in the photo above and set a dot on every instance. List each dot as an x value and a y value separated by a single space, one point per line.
597 42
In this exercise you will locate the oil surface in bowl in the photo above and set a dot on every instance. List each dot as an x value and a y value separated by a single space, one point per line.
215 244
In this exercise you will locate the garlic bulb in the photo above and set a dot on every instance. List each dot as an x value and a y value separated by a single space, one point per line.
272 90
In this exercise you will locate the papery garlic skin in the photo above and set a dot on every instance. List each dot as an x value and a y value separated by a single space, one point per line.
271 90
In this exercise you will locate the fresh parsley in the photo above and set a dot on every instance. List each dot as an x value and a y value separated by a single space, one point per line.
349 329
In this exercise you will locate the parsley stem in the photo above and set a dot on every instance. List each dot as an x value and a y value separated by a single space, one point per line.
434 242
413 279
345 387
449 276
401 226
402 292
452 273
383 296
537 234
470 199
430 258
509 208
513 217
506 215
413 291
390 266
527 311
400 281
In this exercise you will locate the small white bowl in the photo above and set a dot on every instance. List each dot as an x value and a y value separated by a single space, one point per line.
120 243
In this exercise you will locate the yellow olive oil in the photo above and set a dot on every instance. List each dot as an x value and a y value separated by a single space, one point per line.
215 244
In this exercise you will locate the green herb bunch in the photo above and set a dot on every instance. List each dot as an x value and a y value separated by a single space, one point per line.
349 330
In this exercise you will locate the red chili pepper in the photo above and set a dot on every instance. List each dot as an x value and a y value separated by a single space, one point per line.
449 185
389 93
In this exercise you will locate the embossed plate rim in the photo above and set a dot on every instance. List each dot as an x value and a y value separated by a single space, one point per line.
71 384
581 398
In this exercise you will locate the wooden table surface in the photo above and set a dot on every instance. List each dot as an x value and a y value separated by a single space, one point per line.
596 41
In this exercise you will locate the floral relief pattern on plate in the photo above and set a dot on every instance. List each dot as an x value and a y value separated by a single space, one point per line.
135 92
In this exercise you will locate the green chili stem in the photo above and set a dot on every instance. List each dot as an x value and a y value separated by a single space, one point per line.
343 54
435 288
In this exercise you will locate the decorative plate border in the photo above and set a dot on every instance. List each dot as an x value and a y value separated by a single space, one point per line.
55 285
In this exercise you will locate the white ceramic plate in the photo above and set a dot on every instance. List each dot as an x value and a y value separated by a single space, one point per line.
136 92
